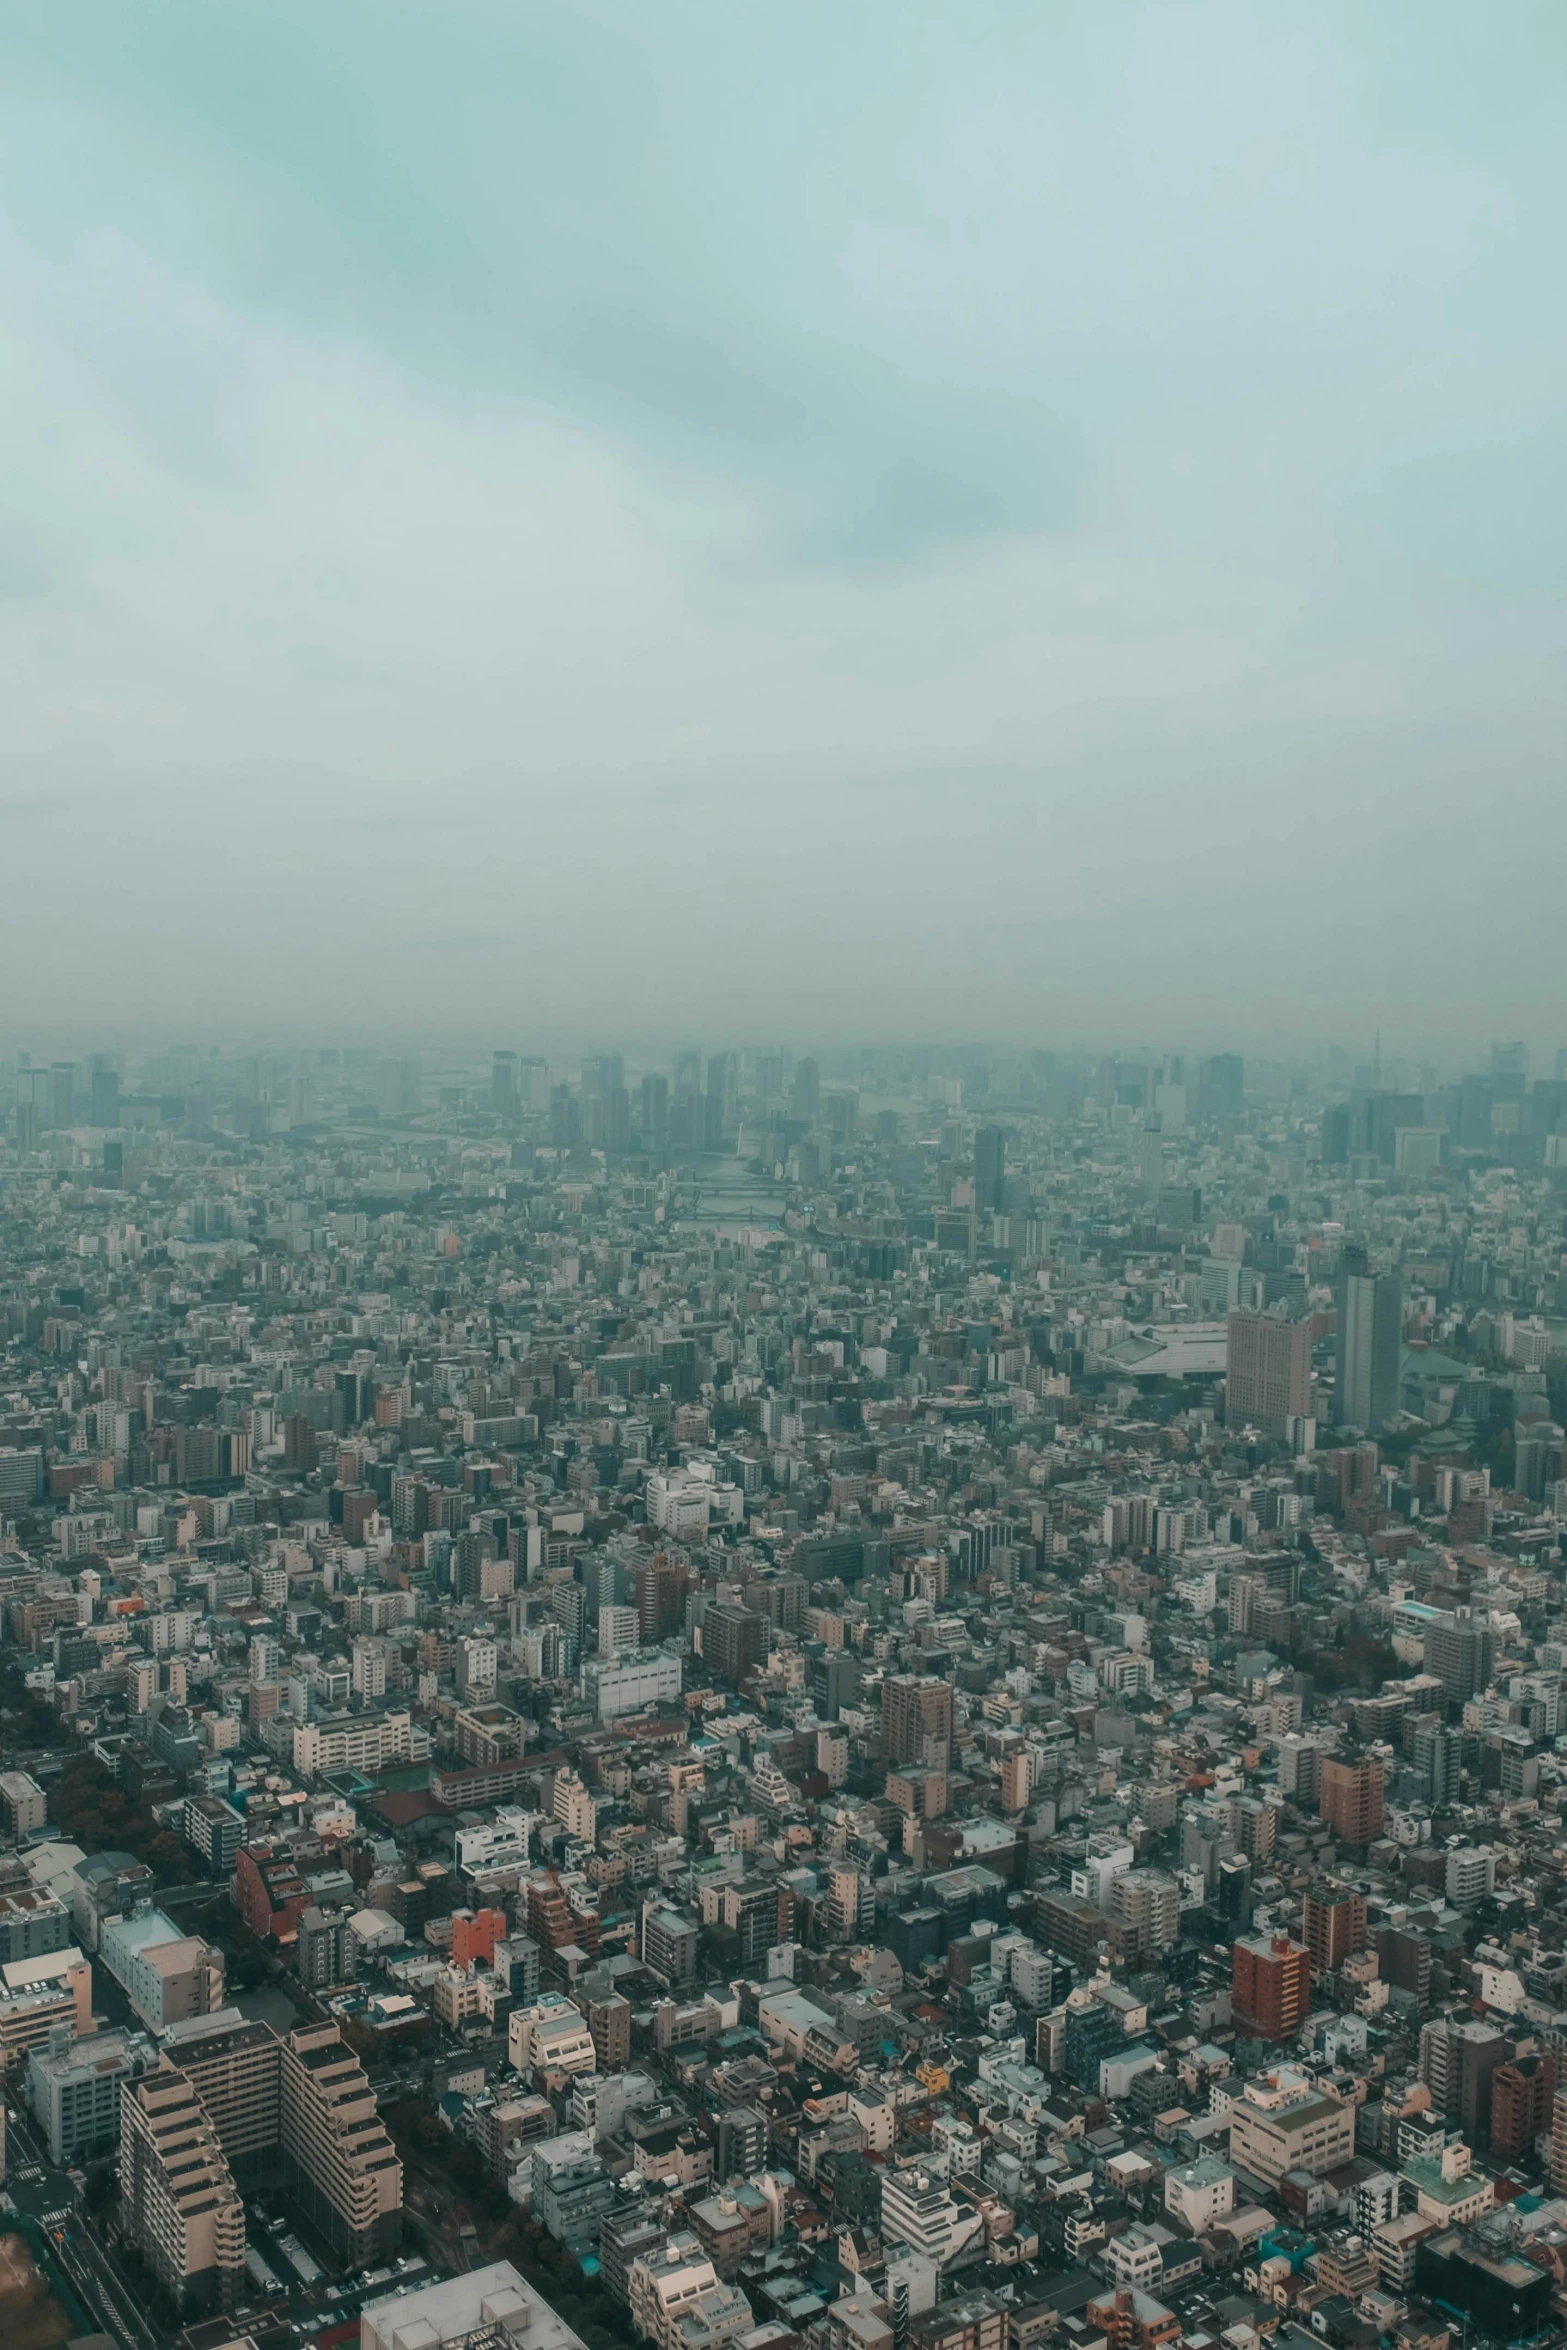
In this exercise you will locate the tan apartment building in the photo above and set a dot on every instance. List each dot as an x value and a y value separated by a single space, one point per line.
178 2201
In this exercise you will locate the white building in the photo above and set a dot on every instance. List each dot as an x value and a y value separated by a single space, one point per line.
494 2297
918 2211
631 1682
1199 2193
496 1844
553 2035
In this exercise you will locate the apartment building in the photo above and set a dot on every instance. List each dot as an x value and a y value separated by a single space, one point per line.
678 2301
354 1742
234 2066
178 2202
337 2156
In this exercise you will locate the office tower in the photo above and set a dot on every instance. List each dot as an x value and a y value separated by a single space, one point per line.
1482 2050
916 1720
655 1111
1460 1651
1267 1371
806 1095
1270 1986
104 1091
1351 1798
1439 2063
503 1084
1232 1892
62 1093
1333 1925
723 1099
990 1169
179 2206
734 1640
1367 1346
1224 1086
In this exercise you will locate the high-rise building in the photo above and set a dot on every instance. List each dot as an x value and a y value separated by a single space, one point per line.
1482 2051
1351 1798
990 1169
1437 1757
178 2203
1370 1334
338 2159
1521 2093
916 1720
1460 1651
1267 1371
503 1084
1270 1986
1333 1925
1146 1906
734 1642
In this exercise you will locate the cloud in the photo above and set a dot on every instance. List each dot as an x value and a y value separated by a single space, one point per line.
1082 479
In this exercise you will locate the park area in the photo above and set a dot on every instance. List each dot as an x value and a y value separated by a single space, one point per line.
31 2314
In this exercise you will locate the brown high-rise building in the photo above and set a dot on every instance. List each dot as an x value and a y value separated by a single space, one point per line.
1350 1799
1270 1986
1521 2097
1267 1371
609 2021
734 1642
179 2206
916 1720
659 1586
1333 1926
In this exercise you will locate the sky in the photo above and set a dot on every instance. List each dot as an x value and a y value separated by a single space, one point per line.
1019 521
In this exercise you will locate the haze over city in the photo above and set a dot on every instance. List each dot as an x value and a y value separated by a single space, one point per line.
1008 523
783 1176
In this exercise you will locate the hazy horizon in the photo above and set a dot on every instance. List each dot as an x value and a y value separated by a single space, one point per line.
1035 525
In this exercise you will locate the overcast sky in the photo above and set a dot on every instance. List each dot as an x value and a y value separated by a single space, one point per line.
1035 521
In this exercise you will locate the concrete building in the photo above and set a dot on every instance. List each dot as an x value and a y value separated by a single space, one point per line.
496 2300
1351 1798
338 2158
1276 2128
166 1975
178 2203
1267 1371
39 1995
1270 1985
23 1805
73 2089
679 2303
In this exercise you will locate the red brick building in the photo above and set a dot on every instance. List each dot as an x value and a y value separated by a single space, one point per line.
1270 1986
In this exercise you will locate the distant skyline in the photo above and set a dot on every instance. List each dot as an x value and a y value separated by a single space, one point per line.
1030 523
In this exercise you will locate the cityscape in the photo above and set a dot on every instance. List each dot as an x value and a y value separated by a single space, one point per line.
898 1696
783 1176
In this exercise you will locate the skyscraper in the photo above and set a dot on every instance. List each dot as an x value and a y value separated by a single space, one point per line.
1370 1331
503 1084
1267 1371
990 1168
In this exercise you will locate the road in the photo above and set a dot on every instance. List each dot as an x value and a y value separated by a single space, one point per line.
86 2265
